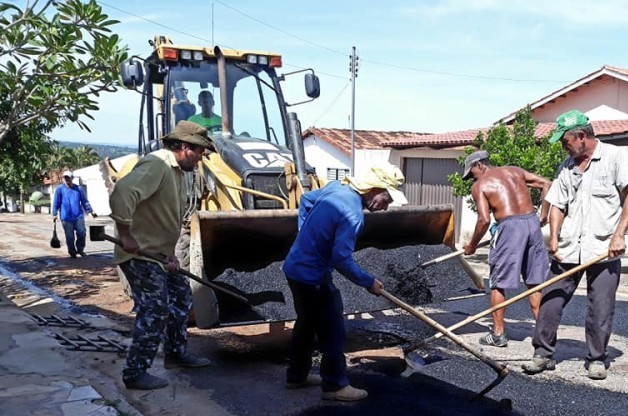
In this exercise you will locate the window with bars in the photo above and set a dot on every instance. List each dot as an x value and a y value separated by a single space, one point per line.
336 174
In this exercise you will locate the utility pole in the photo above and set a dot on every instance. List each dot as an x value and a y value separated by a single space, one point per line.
353 69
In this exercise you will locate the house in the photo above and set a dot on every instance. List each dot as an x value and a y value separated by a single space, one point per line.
92 180
602 95
427 159
329 150
425 164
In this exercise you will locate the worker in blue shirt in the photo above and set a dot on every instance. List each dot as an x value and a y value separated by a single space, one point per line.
330 220
71 201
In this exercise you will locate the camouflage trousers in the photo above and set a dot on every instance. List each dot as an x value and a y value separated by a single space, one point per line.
162 303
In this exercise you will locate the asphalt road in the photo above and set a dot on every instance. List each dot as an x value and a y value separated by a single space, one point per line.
247 375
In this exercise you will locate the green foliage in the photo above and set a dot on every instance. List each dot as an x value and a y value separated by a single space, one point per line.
514 146
23 158
56 58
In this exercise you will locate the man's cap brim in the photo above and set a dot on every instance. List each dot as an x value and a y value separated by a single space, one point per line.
558 134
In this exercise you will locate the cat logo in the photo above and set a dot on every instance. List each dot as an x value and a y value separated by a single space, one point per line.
267 159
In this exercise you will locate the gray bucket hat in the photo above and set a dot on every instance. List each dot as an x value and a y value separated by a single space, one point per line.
189 132
472 159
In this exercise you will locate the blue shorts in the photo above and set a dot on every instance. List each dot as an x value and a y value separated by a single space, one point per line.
518 249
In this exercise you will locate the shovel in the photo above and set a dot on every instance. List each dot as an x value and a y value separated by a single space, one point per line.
499 368
514 299
54 241
450 255
100 236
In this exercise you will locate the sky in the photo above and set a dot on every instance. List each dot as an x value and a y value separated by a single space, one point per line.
424 66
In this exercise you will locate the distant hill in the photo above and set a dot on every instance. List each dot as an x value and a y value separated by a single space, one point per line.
104 150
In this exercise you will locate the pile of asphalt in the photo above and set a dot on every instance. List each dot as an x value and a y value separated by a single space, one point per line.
271 300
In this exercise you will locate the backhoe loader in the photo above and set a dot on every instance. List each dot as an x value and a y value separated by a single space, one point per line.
244 196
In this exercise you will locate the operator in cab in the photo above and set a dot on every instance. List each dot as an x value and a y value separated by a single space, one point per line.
207 118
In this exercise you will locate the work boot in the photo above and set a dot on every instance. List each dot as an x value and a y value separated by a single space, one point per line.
310 381
145 381
494 340
597 370
187 361
539 364
345 394
82 253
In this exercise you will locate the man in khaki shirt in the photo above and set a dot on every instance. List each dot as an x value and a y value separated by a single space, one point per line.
148 206
589 218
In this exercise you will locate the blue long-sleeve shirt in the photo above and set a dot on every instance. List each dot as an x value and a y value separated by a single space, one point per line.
330 220
71 202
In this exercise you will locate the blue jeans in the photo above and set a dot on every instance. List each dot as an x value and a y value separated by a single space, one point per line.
70 228
319 315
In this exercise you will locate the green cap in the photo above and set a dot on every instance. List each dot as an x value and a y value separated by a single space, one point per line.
567 121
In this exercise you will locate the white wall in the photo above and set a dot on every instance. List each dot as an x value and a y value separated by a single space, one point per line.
321 155
92 180
365 158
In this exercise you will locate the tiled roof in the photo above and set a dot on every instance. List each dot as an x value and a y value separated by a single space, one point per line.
606 70
467 137
364 139
450 139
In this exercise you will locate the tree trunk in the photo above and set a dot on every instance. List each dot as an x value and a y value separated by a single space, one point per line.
22 200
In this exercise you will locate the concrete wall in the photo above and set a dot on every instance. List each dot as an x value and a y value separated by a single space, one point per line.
602 99
321 155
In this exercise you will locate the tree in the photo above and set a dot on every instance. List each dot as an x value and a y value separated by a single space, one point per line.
23 156
55 60
58 159
514 146
85 156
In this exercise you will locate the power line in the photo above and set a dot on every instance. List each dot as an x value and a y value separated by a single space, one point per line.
430 71
461 75
333 102
204 39
155 23
317 45
281 30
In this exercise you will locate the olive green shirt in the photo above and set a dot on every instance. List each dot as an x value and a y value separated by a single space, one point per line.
591 201
151 200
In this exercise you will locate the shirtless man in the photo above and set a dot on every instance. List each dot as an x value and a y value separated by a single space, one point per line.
517 247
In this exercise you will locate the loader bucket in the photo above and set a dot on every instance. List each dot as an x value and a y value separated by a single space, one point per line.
250 240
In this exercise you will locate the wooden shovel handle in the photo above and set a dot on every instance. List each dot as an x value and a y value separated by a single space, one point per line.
517 298
499 368
450 255
182 271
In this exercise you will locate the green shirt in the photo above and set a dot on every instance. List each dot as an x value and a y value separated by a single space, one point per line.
151 199
212 124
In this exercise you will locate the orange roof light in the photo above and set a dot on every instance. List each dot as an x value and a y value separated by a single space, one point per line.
171 54
275 61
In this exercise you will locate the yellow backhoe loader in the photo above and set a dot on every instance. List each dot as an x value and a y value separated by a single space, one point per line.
244 196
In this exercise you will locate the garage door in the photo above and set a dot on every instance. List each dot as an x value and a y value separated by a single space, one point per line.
427 184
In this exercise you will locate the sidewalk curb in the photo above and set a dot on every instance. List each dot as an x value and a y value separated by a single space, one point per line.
36 378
